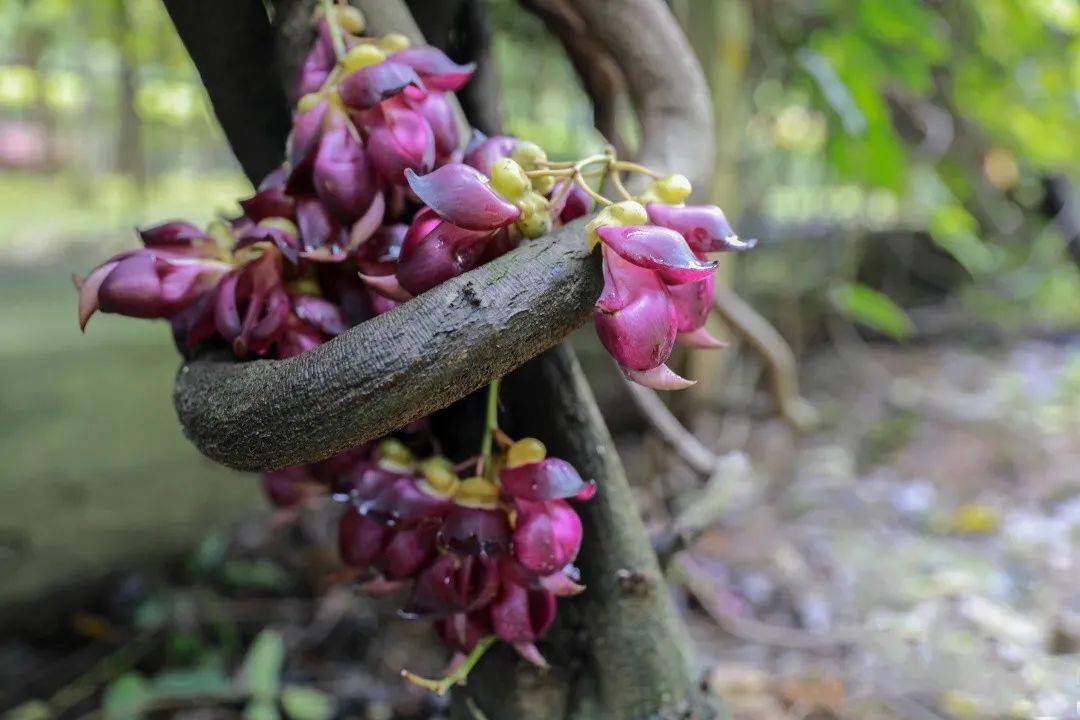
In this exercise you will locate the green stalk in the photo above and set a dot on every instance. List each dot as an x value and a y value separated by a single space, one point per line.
335 29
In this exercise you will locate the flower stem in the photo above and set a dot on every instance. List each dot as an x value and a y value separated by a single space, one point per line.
335 29
458 675
491 423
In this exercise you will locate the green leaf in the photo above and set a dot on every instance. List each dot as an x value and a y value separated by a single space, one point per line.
255 574
125 697
261 671
867 306
261 709
30 710
208 678
303 703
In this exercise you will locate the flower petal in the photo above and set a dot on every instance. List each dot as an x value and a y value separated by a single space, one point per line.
705 227
547 479
388 286
692 302
699 338
659 378
475 531
547 536
437 70
482 152
408 551
445 252
463 196
342 177
521 615
367 87
306 131
361 540
271 202
404 140
172 235
88 291
641 334
659 249
319 313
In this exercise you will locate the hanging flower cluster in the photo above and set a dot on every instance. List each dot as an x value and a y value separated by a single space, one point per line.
380 199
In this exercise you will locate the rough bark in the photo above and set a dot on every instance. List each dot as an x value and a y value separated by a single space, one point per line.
384 373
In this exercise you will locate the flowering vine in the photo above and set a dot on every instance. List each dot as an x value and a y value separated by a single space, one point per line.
379 200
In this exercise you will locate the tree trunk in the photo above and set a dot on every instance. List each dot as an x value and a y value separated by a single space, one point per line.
619 651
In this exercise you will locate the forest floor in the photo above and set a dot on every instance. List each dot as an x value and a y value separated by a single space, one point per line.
914 558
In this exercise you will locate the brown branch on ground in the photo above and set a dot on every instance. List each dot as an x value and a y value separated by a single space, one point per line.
600 76
771 346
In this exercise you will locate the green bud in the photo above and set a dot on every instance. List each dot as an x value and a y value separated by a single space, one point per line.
673 189
392 42
308 102
529 155
349 19
362 56
509 179
280 223
625 213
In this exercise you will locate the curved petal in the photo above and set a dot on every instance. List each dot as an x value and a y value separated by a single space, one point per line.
659 249
176 234
133 288
403 504
360 540
444 126
306 130
453 584
705 227
659 378
573 203
437 70
445 252
547 479
463 196
315 69
641 334
692 302
271 202
547 537
367 87
475 531
88 291
286 242
482 152
319 313
408 551
388 286
701 339
404 140
521 616
342 177
563 583
318 228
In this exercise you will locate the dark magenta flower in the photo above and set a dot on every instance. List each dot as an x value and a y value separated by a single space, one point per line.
440 116
289 487
316 67
547 536
402 503
573 203
547 479
341 174
463 197
251 306
482 151
462 631
267 203
705 227
520 616
446 251
408 552
475 531
454 584
154 282
659 249
437 71
361 540
635 319
282 233
365 88
306 131
400 139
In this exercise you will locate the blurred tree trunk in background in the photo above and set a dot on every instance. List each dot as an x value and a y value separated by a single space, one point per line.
129 155
721 34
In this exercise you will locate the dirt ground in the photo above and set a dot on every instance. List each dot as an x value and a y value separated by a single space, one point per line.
915 557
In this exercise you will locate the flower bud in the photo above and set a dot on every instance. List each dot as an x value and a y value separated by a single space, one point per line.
360 539
362 56
439 474
669 190
350 19
509 179
308 102
547 537
535 220
620 214
525 450
393 42
543 479
394 455
408 551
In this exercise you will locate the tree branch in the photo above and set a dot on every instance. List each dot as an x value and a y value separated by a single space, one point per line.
393 369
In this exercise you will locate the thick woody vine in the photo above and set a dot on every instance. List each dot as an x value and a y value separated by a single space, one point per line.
378 201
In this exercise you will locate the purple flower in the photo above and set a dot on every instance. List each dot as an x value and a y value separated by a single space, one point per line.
342 177
400 139
408 551
659 249
361 540
482 151
444 252
635 319
705 227
475 531
251 306
547 536
520 616
462 631
454 584
367 87
433 66
463 197
548 479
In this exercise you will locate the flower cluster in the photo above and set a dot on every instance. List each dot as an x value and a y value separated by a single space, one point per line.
482 555
381 198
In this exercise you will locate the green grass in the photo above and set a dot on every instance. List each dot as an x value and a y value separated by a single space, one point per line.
96 474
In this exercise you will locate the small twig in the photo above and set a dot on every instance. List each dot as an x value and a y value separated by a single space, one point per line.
474 709
699 584
458 675
335 29
682 441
